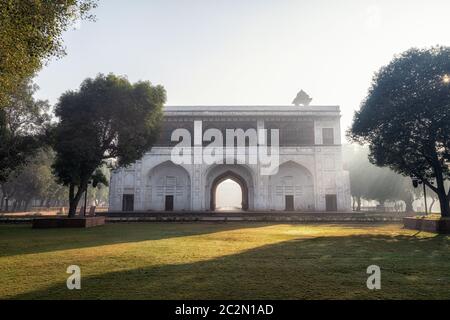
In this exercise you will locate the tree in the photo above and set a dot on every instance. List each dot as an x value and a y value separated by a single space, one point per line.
360 171
30 33
405 119
107 118
34 183
434 197
370 182
23 123
99 195
30 181
390 186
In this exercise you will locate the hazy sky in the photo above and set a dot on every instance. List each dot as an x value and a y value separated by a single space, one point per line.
248 51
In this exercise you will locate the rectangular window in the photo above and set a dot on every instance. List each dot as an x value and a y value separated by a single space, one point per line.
292 133
328 135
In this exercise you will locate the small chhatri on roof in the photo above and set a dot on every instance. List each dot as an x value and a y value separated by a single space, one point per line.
302 98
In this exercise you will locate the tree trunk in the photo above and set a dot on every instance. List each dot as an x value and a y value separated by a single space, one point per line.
2 202
27 205
440 187
432 204
409 205
443 201
72 204
74 198
409 201
442 194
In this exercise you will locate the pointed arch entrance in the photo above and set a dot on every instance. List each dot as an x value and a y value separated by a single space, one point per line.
228 196
219 173
229 175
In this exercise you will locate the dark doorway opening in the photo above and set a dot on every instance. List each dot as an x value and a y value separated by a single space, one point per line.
289 203
128 202
331 202
169 203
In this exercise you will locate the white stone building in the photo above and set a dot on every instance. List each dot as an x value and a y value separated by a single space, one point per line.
310 176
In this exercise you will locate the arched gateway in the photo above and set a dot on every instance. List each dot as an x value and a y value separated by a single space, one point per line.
309 177
234 177
239 174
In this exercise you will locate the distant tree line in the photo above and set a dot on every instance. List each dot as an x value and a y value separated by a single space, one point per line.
34 185
372 183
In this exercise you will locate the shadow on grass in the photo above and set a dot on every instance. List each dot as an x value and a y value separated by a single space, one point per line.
315 268
22 239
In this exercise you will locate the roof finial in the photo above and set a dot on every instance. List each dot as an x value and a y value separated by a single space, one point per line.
302 98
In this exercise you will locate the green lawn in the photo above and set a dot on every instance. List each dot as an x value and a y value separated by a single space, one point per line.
224 261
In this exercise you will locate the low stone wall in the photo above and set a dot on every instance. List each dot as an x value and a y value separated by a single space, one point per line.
436 225
254 214
64 222
16 220
280 217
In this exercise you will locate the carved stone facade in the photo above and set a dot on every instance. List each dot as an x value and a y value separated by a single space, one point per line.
310 176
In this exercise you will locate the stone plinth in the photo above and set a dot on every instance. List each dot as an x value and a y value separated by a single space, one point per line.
428 224
64 222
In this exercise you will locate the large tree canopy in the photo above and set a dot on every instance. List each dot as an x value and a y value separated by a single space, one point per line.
30 33
108 118
405 118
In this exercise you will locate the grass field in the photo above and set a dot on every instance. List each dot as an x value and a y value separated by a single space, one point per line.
224 261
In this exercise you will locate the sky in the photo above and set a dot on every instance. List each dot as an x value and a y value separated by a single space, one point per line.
247 52
228 196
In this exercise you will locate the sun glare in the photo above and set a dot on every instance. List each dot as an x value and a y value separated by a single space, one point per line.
446 78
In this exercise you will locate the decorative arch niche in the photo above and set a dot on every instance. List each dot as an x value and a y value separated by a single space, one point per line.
293 181
168 179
